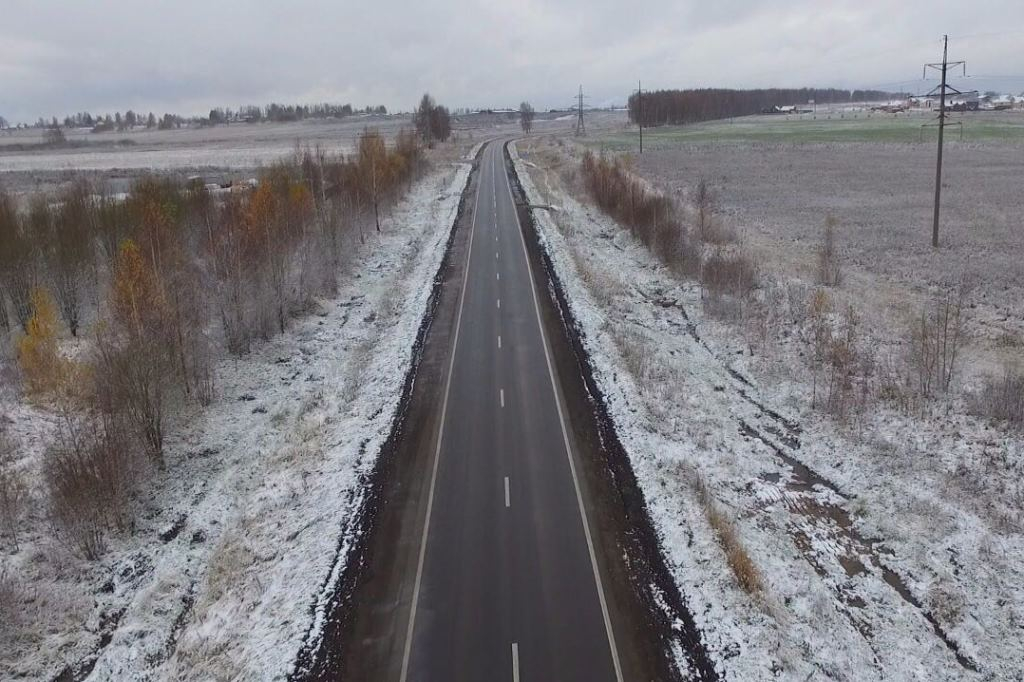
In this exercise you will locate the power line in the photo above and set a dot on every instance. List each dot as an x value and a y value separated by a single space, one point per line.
943 67
581 127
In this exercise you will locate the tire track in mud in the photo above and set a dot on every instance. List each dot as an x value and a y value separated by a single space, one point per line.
825 533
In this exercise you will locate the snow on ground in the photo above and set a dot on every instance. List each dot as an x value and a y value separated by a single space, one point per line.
877 561
235 539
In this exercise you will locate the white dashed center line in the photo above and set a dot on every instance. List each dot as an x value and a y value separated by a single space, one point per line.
508 501
515 662
501 394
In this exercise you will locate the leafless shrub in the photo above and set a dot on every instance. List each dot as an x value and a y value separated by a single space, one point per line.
947 603
722 307
763 317
1002 398
743 567
843 365
934 341
20 255
89 475
705 202
601 284
10 590
5 321
728 272
13 488
710 228
830 272
636 350
54 137
650 217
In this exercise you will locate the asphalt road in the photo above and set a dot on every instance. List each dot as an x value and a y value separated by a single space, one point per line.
507 586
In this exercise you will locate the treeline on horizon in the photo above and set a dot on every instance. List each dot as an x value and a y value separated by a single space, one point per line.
676 107
273 112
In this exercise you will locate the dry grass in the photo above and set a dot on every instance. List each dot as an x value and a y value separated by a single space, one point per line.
602 284
728 272
1002 398
742 565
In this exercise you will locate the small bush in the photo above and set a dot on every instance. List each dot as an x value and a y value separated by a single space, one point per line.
44 370
728 273
89 475
743 568
1003 398
933 340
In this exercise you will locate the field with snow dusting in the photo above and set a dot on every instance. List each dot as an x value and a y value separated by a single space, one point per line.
888 545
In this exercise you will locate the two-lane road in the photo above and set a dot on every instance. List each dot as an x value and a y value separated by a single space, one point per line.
507 585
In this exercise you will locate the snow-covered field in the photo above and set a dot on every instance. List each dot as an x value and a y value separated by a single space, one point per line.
779 195
249 520
889 550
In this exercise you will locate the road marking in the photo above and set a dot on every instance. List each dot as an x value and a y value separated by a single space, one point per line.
495 253
568 449
498 276
501 392
499 341
499 302
437 451
508 502
515 662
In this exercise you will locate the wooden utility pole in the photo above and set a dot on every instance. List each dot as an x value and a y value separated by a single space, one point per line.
943 67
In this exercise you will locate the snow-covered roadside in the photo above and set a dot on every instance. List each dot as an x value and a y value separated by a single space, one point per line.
828 608
221 578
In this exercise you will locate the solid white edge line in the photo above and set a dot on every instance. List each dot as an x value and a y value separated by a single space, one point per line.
565 435
508 500
437 450
515 661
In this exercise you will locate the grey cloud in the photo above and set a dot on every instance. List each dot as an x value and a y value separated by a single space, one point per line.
187 56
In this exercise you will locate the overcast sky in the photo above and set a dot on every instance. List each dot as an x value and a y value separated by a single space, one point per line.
187 56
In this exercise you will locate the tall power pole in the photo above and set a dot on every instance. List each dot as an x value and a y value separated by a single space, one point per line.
942 89
581 128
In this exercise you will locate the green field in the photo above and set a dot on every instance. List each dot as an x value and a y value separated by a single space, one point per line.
823 128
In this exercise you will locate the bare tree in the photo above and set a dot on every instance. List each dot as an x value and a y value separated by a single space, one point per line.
19 255
705 202
830 271
433 122
526 116
69 252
